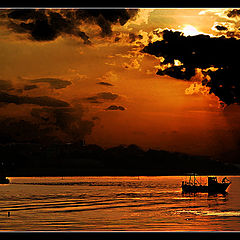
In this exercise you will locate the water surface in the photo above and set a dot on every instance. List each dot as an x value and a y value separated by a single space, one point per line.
115 204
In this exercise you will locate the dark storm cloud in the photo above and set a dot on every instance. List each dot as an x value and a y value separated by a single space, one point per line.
66 123
41 101
53 82
221 28
44 25
102 96
26 14
178 72
47 25
114 107
104 83
105 18
233 13
47 126
201 51
5 85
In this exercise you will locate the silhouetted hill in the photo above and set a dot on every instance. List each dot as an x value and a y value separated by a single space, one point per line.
75 159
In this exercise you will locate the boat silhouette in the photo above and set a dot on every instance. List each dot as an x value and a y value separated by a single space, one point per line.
213 186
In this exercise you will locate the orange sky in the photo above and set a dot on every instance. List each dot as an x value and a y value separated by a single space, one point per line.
158 113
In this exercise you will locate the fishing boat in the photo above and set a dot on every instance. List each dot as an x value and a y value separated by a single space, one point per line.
213 186
4 180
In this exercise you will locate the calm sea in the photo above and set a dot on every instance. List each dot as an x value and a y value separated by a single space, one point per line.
115 204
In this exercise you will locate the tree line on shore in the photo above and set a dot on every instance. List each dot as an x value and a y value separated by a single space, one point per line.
28 159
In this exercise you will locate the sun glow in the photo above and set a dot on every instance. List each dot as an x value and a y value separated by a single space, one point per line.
189 30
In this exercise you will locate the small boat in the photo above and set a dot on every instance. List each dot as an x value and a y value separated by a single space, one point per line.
4 180
213 186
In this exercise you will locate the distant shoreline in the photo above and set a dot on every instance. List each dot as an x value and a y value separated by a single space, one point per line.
95 173
23 160
131 176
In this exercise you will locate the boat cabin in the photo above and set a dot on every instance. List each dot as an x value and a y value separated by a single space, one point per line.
213 185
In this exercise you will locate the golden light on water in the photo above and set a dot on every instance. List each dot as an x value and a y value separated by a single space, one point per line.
120 203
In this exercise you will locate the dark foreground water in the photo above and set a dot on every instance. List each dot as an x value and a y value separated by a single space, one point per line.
115 204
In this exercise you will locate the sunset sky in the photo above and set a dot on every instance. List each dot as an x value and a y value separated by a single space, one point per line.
69 74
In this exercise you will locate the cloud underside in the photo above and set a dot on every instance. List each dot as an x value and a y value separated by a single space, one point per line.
30 87
55 83
221 28
48 24
114 108
201 52
104 83
41 101
98 98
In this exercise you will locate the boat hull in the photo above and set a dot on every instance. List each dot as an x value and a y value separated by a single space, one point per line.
216 188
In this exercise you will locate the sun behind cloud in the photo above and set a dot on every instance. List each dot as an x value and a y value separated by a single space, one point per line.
189 30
